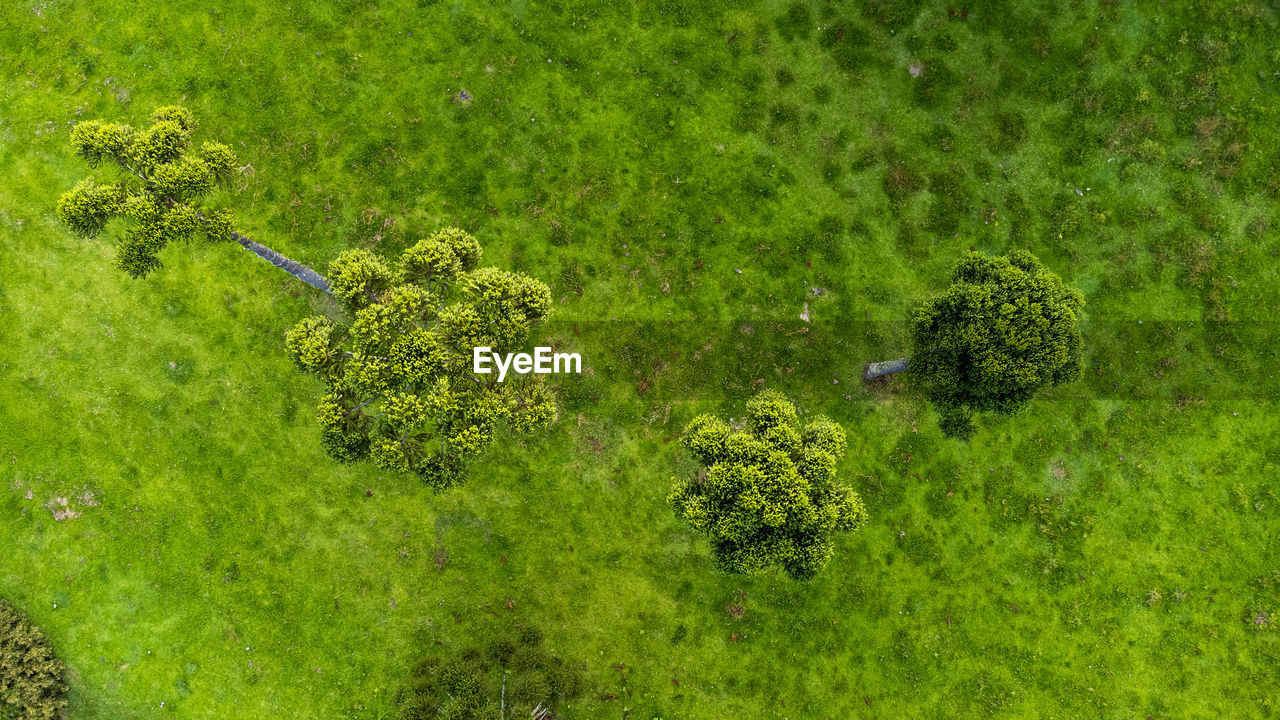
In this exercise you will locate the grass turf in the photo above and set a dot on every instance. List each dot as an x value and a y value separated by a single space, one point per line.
1109 552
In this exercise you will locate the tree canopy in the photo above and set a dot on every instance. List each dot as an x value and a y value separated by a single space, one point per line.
1004 329
768 495
160 196
31 677
400 390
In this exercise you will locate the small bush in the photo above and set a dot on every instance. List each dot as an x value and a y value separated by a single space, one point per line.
31 686
768 495
469 684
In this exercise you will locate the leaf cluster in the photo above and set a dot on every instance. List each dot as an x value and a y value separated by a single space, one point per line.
400 390
768 496
31 677
469 685
1005 328
158 196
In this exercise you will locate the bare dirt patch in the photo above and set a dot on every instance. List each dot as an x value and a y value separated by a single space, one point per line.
61 509
69 506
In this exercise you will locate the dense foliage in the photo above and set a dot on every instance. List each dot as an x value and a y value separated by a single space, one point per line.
514 675
769 494
398 369
161 193
31 685
1004 329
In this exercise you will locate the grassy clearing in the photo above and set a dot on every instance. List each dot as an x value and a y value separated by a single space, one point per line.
1108 553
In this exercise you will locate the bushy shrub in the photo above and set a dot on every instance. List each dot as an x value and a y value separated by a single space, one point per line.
514 675
1005 329
769 495
31 685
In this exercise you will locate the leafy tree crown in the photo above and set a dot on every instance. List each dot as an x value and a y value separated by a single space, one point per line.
768 495
1004 329
158 197
397 367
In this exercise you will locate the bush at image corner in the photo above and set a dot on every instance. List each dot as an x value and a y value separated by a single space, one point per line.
31 686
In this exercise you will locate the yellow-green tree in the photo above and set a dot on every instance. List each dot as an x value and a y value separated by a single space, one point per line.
400 388
158 198
768 495
396 366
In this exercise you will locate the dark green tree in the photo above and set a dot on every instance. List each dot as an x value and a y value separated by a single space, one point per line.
769 494
397 367
159 198
31 676
513 676
1005 328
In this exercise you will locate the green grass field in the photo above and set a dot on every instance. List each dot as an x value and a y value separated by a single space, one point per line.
1110 552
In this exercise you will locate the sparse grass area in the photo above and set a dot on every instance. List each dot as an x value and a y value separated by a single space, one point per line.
1108 553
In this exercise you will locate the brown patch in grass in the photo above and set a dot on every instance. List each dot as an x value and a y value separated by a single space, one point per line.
737 609
1207 126
1186 401
1199 260
901 182
61 509
883 389
590 436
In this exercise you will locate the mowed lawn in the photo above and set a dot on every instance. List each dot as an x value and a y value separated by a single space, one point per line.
687 177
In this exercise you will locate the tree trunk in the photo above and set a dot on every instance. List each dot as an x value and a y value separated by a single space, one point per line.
888 367
298 270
